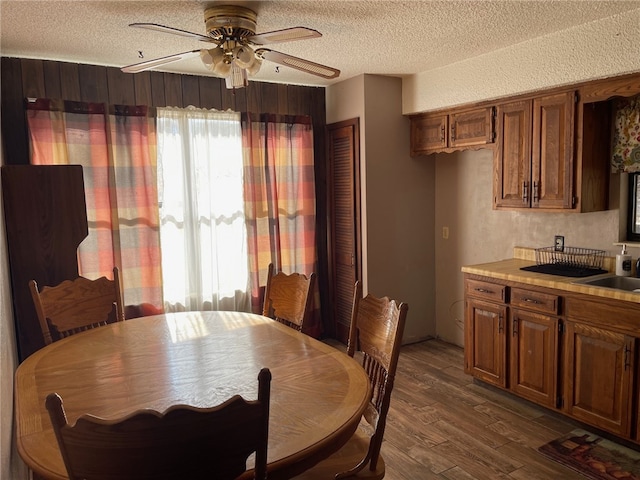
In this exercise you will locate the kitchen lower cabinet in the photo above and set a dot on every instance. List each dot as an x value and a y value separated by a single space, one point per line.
533 345
572 353
485 344
534 357
598 376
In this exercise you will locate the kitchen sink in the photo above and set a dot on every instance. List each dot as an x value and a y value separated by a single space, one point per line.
629 284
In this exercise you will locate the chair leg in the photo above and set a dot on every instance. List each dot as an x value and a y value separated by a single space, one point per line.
352 472
361 464
367 473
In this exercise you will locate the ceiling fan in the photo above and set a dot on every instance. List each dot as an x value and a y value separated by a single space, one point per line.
232 30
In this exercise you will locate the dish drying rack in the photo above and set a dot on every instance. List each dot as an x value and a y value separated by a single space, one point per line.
573 257
568 261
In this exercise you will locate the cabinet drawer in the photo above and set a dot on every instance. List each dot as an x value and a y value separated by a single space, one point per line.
537 301
486 290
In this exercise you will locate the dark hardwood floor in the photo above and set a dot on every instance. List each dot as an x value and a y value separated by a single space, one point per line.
443 425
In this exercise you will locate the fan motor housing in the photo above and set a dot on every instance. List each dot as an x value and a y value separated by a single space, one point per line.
230 22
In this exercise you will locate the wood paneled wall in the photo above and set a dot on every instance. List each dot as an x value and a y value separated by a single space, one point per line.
25 78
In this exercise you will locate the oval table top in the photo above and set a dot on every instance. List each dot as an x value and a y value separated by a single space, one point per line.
318 393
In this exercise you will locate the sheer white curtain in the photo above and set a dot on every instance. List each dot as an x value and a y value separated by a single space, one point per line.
200 190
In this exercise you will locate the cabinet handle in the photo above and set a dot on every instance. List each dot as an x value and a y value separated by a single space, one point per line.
482 290
531 300
515 327
627 362
525 192
442 133
500 324
535 192
453 132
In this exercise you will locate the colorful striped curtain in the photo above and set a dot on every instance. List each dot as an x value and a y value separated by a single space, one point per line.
280 208
116 146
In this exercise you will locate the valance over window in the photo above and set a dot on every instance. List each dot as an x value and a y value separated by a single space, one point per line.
626 140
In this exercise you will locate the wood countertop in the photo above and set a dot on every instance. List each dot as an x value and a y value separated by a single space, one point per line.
509 270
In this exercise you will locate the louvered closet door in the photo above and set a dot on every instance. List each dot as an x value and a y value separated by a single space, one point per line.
344 197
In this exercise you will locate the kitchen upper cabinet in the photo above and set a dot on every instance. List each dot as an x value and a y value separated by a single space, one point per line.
431 133
534 160
598 376
552 154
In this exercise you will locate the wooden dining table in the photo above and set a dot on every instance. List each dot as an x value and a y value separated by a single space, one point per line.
318 393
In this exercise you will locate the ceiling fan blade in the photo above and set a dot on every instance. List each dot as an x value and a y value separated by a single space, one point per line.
146 65
298 63
174 31
285 35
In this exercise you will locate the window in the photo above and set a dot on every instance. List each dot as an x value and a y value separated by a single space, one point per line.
633 215
202 224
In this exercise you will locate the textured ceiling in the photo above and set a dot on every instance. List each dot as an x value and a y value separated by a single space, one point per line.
368 36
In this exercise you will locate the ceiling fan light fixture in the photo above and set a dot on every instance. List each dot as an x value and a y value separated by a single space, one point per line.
216 60
244 56
255 66
222 69
207 58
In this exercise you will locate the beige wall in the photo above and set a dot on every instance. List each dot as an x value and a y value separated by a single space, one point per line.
478 234
400 206
398 196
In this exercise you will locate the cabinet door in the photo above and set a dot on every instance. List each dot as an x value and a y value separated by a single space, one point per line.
474 127
598 375
512 162
485 345
552 151
428 133
533 354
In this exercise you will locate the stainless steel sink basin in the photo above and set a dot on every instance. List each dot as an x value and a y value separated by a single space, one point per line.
629 284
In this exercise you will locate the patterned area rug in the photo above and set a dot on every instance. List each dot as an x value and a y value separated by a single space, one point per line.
593 456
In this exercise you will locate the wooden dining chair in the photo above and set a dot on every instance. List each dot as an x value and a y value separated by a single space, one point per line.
77 305
287 298
375 336
183 442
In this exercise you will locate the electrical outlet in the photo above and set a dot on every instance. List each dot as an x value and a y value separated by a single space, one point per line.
558 243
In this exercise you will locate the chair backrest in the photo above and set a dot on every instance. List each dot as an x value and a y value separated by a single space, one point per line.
287 298
377 326
77 305
183 442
